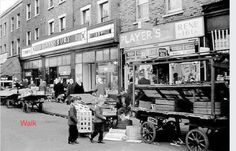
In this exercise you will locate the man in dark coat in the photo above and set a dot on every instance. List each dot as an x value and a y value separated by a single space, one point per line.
78 88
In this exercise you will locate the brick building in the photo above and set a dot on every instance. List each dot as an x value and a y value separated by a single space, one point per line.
154 29
11 41
71 39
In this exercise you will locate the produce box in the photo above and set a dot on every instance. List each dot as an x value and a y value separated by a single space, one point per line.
84 116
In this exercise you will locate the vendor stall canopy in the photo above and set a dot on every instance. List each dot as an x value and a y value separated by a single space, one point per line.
11 68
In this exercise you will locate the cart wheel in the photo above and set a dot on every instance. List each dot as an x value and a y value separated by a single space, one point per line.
148 132
197 140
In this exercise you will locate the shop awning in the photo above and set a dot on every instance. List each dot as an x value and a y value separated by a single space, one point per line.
11 67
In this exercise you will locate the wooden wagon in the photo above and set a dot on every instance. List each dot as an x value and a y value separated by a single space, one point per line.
205 105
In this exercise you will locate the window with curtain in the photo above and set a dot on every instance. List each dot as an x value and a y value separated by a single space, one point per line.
174 6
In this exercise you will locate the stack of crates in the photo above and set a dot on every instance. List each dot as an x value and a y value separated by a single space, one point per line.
84 116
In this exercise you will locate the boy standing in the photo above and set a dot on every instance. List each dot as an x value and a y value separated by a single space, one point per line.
72 122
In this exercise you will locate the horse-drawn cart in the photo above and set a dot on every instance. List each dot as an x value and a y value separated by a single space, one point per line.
203 104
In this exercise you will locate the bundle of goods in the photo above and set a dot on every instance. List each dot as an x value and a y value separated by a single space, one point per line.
84 116
85 98
25 92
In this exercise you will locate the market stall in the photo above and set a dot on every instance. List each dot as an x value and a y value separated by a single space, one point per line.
196 89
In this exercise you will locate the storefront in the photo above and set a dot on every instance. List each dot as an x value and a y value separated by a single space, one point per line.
162 42
84 54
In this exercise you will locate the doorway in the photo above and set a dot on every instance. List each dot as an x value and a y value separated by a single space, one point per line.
89 76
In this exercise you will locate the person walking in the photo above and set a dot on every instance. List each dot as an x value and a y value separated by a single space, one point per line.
98 121
72 122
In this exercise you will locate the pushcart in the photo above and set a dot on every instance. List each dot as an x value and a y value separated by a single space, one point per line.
205 105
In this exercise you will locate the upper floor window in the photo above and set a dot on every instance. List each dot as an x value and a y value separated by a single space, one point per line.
85 14
36 34
18 46
0 31
1 50
12 23
61 1
5 48
103 10
50 4
28 11
36 7
28 38
62 22
173 6
18 21
12 48
5 29
142 10
51 27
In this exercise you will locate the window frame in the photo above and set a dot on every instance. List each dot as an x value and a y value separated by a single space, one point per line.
53 26
28 11
82 10
178 10
100 3
36 33
60 17
137 11
5 29
61 1
28 38
36 6
18 46
18 21
12 24
12 48
50 6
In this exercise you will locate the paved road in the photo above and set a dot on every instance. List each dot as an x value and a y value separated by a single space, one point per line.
49 133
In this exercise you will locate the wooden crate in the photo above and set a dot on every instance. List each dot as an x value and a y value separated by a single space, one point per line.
161 107
205 108
145 104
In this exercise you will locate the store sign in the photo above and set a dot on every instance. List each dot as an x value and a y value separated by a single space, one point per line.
147 36
182 48
189 28
101 33
28 74
3 58
163 52
70 39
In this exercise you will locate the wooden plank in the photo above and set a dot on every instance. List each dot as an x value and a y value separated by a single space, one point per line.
164 102
206 105
163 107
145 104
169 92
152 93
206 111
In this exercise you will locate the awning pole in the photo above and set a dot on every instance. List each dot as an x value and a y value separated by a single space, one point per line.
133 85
212 88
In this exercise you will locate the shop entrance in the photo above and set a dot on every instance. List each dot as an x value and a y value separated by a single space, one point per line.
160 74
52 74
89 76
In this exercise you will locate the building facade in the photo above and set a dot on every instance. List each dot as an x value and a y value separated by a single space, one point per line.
11 41
159 29
77 39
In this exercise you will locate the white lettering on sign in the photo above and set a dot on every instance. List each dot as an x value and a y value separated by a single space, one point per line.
140 36
189 28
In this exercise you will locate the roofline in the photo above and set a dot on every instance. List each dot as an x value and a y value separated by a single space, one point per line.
11 8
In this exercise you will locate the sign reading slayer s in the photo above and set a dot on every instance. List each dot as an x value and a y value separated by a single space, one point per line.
147 36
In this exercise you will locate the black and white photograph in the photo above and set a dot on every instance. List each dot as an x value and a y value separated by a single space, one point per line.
116 75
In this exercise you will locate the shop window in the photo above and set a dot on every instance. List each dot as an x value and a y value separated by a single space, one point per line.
85 14
173 6
53 62
108 72
142 10
78 71
114 53
89 57
106 54
99 56
78 58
